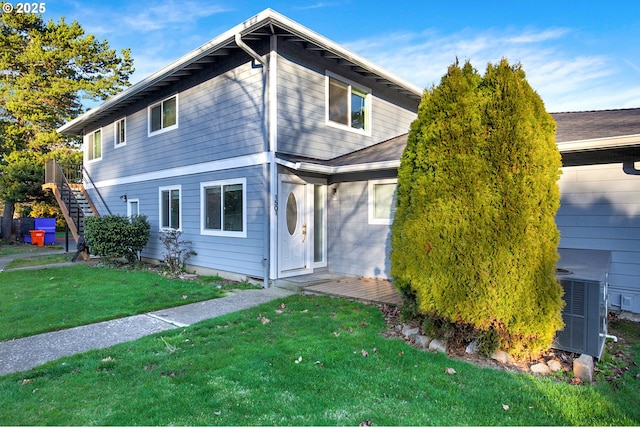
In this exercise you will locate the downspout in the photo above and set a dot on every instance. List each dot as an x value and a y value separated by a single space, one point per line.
270 157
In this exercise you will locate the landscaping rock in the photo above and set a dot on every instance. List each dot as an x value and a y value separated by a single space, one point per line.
410 332
540 369
472 348
423 341
554 365
437 345
583 368
500 356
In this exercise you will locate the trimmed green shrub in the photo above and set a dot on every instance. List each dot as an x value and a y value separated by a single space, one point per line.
474 236
115 236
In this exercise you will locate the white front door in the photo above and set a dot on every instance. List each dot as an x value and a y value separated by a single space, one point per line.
293 228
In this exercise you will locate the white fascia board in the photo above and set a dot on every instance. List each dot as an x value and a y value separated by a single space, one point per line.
332 170
599 144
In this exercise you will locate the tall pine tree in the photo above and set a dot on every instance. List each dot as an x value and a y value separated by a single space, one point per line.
47 71
474 239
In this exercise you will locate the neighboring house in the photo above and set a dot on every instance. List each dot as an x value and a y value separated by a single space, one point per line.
276 151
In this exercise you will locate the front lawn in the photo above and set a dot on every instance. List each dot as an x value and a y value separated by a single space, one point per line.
30 261
49 299
299 361
14 248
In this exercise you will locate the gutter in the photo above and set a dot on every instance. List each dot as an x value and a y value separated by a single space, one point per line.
268 168
333 170
599 143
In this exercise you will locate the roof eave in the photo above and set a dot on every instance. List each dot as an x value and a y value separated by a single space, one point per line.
268 16
599 144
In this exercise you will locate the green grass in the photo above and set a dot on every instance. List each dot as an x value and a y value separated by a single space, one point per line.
39 260
12 248
49 299
298 361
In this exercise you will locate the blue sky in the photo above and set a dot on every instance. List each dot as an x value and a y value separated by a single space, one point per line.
578 55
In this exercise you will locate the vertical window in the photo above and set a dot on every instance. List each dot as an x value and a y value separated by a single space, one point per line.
163 115
170 207
133 207
223 208
94 145
318 223
382 201
120 132
348 105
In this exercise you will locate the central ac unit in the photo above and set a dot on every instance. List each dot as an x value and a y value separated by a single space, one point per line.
583 274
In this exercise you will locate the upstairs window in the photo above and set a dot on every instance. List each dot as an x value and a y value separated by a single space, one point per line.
94 145
348 105
163 116
120 132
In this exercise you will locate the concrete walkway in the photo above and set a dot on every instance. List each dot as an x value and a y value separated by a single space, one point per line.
25 353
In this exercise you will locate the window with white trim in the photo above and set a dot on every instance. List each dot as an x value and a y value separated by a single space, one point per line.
170 207
163 116
348 105
223 209
94 145
382 201
120 132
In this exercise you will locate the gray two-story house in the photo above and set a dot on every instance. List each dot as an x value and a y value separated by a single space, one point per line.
275 151
215 144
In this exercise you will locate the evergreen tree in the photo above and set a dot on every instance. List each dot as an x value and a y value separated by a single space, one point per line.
47 71
474 240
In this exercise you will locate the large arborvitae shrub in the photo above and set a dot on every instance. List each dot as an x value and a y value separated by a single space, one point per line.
474 240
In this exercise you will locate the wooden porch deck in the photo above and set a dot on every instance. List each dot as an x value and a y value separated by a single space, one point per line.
366 289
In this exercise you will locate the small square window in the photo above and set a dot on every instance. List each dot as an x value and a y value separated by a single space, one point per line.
163 116
348 106
382 201
223 208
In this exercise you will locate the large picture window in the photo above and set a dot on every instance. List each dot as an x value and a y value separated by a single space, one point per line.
223 208
163 116
170 207
348 105
382 201
94 145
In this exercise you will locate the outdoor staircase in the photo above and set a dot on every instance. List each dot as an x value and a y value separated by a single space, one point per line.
66 183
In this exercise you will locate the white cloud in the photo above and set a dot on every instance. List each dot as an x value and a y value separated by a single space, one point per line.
566 78
167 14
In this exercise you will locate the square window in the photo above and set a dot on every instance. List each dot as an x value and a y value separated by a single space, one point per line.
163 116
382 201
170 207
348 106
94 145
223 208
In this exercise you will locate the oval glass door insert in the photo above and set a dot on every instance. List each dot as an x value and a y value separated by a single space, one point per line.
292 213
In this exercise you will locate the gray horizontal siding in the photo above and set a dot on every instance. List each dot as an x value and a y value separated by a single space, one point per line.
354 246
301 109
600 209
218 118
242 256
